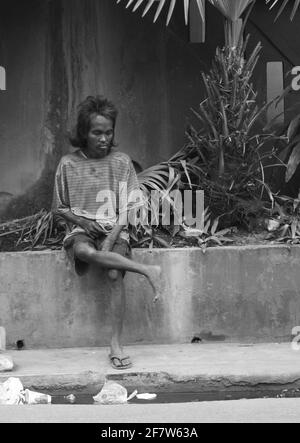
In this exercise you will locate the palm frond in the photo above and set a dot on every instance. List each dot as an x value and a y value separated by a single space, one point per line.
161 3
232 10
283 4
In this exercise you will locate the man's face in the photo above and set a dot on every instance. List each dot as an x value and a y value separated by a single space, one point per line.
100 136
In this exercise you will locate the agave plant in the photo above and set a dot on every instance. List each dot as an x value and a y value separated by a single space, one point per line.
223 155
228 135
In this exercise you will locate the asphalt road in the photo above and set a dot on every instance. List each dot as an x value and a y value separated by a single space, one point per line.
240 411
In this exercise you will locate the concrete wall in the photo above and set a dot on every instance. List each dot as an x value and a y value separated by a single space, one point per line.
56 52
23 104
242 293
33 108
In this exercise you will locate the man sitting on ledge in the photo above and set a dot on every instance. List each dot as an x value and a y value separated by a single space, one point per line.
96 170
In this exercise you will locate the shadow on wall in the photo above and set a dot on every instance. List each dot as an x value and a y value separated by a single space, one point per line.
137 167
38 197
5 199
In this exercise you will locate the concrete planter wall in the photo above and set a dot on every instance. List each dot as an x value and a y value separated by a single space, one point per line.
242 293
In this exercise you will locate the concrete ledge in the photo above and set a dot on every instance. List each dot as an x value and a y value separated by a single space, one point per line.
243 293
226 367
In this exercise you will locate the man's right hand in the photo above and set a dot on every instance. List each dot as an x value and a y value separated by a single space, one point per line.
91 227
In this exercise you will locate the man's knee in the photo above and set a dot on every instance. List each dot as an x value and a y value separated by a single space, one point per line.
114 275
84 252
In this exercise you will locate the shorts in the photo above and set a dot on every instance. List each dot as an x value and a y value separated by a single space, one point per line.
121 247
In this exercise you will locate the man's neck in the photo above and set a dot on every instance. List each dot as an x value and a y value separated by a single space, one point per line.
86 154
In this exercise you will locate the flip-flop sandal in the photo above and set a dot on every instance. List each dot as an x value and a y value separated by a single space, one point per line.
120 360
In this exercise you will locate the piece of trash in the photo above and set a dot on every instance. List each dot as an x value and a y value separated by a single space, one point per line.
36 398
155 299
131 396
272 224
6 362
111 394
2 339
70 398
190 232
146 396
12 392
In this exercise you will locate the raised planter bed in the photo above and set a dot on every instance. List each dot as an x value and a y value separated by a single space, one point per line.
233 293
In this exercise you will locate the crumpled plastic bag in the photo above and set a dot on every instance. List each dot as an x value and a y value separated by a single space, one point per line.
12 392
111 394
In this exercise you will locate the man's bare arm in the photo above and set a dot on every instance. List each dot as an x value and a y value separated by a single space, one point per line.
90 226
114 234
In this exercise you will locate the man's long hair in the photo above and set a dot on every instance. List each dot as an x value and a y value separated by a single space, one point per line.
91 106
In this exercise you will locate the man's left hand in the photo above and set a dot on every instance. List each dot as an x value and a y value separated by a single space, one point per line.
108 243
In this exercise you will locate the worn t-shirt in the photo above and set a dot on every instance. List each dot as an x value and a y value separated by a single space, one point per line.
97 189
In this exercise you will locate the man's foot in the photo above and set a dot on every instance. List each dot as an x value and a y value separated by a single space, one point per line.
153 273
118 362
118 359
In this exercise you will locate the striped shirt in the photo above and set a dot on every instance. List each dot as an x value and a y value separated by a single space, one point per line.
95 188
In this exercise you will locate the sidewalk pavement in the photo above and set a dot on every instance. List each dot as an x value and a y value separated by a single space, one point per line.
162 416
179 368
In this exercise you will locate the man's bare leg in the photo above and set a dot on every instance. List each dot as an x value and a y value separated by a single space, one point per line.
112 260
117 303
115 263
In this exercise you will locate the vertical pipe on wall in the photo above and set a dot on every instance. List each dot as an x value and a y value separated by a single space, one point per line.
2 79
197 24
275 87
